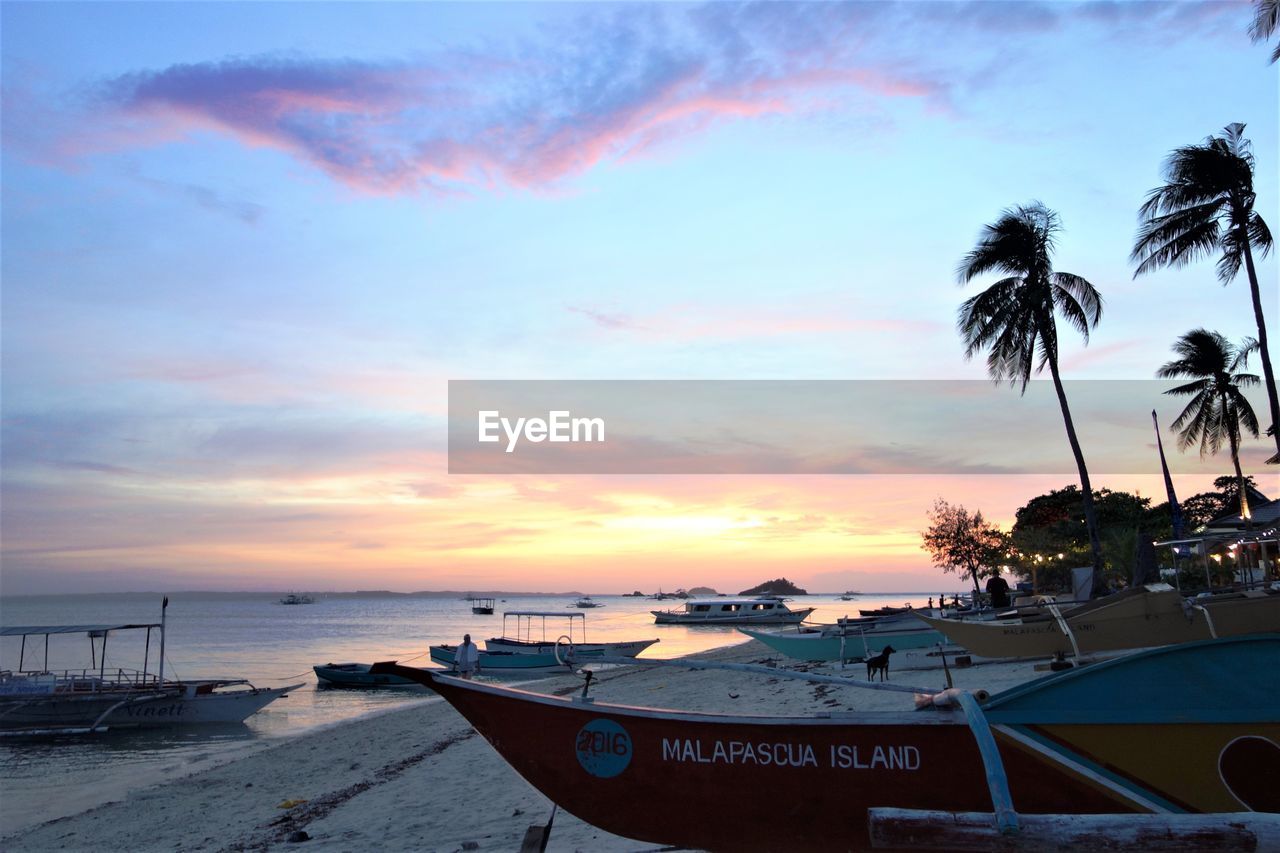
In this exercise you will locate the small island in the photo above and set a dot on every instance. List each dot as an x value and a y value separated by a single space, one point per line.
702 590
780 586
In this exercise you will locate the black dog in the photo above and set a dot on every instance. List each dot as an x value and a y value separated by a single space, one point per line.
880 662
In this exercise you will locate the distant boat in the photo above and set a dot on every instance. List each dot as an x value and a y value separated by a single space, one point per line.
360 675
297 598
761 610
1114 750
586 603
849 596
482 606
41 701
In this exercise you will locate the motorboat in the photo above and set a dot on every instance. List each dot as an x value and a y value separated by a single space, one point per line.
758 610
586 603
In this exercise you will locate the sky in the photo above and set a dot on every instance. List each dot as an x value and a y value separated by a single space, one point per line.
246 247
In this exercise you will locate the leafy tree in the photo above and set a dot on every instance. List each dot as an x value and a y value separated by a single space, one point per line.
1266 20
1049 534
963 542
1218 409
1206 207
1014 318
1200 509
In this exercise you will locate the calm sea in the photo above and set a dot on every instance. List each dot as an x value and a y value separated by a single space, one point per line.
253 636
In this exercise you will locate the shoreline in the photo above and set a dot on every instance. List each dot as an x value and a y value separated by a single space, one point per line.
419 777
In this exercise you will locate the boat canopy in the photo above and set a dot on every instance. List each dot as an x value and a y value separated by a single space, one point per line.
23 631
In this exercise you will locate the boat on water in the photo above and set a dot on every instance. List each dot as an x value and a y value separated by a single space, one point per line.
759 610
852 640
297 598
1142 617
1126 743
586 603
93 699
360 675
482 606
521 639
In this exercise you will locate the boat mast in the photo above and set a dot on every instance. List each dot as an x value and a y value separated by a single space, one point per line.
164 607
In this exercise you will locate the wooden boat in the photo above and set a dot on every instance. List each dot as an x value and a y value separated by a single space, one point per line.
1161 733
851 642
40 700
522 641
360 675
1155 615
482 606
760 610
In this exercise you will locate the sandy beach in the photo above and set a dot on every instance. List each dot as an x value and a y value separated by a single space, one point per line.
420 778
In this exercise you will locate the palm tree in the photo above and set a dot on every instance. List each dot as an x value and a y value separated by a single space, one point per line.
1206 207
1266 19
1218 409
1013 319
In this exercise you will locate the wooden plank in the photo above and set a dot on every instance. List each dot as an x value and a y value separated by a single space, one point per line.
910 829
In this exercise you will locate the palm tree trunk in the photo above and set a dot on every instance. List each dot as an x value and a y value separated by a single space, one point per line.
1268 375
1090 517
1235 459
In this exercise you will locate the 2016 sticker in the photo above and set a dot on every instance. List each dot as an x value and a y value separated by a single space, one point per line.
604 748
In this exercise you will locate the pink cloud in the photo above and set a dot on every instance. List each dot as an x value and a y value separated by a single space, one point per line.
698 323
452 124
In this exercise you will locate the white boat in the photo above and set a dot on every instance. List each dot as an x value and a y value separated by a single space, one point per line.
522 641
41 700
760 610
585 603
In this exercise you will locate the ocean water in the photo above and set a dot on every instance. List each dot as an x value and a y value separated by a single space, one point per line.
253 636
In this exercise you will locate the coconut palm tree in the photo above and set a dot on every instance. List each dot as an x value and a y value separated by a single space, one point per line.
1014 318
1218 408
1206 207
1266 20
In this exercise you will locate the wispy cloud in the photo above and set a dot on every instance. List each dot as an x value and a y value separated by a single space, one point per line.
618 84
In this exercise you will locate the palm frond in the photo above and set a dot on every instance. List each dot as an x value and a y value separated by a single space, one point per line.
1259 234
1176 239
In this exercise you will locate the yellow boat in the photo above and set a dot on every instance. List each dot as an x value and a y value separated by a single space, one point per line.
1144 617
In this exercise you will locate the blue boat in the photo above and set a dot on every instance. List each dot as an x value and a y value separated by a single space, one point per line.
851 641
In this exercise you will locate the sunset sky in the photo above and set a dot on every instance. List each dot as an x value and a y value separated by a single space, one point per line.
245 247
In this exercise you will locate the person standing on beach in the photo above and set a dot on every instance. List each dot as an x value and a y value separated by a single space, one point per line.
466 660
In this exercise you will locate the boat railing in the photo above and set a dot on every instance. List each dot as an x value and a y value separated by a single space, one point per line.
79 680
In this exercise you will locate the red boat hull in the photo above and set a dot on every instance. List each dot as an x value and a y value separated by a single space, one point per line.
762 783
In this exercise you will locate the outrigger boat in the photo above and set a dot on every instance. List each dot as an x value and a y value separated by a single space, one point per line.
760 610
1154 615
1138 748
43 701
521 641
851 639
520 654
